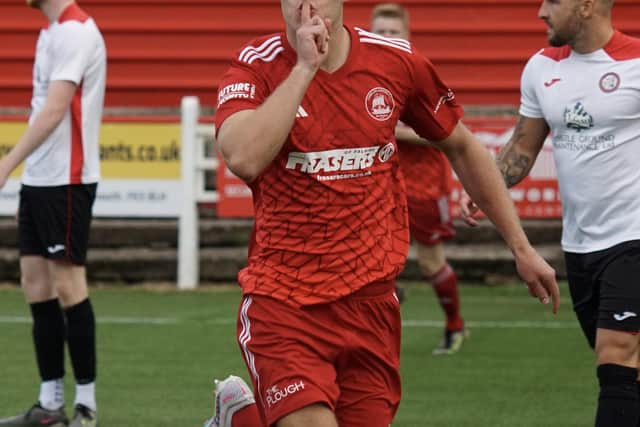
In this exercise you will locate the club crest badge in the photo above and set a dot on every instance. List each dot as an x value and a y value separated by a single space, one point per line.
380 104
609 82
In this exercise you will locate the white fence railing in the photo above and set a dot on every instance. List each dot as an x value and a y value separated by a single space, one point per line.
194 165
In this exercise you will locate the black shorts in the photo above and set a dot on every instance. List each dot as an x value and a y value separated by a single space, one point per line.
605 288
54 222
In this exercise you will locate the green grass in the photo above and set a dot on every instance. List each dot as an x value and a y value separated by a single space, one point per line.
537 374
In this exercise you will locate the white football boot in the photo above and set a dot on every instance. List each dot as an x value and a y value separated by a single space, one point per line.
232 394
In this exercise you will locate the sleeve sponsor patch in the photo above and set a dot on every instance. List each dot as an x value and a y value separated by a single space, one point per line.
236 91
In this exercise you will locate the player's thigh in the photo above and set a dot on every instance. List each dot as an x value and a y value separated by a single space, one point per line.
585 294
430 221
619 310
431 258
34 279
315 415
288 352
368 372
56 221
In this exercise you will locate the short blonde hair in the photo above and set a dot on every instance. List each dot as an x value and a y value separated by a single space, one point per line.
391 10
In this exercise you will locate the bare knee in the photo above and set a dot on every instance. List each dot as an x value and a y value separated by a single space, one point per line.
69 282
35 280
617 347
315 415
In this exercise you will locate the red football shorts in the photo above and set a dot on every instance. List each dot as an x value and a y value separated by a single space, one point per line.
429 221
344 354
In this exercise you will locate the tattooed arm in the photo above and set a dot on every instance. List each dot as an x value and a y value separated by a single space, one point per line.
517 157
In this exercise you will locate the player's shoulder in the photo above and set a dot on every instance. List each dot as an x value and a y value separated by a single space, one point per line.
383 45
261 50
555 54
623 47
74 25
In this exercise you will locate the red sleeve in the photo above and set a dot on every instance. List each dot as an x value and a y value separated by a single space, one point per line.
241 88
432 110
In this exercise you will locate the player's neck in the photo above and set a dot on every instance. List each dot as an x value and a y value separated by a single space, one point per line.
593 38
53 9
339 47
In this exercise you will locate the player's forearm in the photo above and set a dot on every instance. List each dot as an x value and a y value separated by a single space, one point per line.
42 126
251 141
517 157
514 164
480 178
406 134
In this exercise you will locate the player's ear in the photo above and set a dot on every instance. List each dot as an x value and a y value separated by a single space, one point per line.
586 8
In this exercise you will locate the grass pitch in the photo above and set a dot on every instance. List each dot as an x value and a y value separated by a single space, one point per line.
159 350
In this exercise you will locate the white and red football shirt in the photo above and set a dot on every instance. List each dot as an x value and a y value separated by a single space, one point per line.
70 49
331 213
592 105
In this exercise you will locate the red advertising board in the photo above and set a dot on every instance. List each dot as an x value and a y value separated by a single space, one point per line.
535 197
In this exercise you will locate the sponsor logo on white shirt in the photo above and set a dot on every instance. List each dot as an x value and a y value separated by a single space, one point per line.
577 117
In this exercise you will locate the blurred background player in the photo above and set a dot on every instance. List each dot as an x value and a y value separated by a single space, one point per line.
584 89
427 178
59 183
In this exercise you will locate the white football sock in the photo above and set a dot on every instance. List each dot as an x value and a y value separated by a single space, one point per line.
86 395
52 394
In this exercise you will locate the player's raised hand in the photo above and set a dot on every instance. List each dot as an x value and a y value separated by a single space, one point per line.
313 36
539 276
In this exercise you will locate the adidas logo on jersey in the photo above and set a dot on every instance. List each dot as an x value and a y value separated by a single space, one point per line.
266 52
301 112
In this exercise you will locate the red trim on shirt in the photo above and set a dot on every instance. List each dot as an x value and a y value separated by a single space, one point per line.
77 154
557 53
73 13
622 47
67 234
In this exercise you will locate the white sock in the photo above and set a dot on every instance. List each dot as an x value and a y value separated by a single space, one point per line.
86 395
52 394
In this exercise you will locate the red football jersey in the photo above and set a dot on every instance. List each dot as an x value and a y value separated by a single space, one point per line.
330 210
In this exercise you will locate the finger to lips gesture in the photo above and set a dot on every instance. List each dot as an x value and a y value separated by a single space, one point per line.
312 37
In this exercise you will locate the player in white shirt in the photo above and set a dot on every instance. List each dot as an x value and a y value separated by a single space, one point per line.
584 89
62 169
